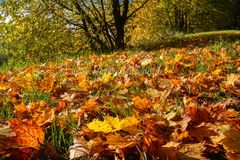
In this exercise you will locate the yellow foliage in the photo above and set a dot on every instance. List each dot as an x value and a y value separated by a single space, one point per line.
112 124
91 102
21 108
140 102
4 87
216 72
178 57
83 82
106 77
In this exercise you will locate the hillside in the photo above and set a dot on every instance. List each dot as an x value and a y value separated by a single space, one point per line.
176 103
201 39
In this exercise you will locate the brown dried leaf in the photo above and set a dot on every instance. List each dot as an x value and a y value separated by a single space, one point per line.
193 150
232 140
79 148
201 133
232 79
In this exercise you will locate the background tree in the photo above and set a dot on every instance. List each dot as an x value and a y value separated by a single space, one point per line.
102 21
162 18
30 28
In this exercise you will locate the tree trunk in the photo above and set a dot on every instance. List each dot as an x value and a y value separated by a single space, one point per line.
104 30
120 37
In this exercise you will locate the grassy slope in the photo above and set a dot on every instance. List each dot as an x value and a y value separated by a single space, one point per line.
186 69
211 33
187 40
201 39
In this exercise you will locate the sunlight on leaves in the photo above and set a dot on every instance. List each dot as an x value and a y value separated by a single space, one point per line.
106 77
28 133
112 124
83 82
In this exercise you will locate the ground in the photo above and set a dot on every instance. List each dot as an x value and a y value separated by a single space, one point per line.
174 103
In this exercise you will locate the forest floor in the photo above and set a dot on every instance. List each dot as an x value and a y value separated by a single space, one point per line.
173 103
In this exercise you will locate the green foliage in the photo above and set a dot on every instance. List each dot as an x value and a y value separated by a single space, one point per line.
160 20
3 59
6 110
30 30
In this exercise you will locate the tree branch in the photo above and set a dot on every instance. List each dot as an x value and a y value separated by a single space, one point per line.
63 5
130 15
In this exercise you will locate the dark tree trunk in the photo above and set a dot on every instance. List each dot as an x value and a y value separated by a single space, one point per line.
120 37
120 21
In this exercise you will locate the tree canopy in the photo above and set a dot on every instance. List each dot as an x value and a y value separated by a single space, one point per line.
101 21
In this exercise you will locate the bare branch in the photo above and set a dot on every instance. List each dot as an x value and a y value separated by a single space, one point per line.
63 5
130 15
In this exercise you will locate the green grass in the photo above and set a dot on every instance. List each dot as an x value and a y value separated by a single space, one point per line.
60 137
201 39
214 33
35 96
6 110
214 39
18 62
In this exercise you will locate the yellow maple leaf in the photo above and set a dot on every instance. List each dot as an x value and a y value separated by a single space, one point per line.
100 126
127 122
106 77
83 82
4 87
178 58
216 72
112 124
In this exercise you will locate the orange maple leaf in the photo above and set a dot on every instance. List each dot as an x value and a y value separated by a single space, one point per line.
28 133
21 110
141 104
83 82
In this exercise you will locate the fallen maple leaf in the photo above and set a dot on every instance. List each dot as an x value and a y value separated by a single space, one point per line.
216 72
28 133
141 104
193 151
83 82
79 148
232 140
201 133
21 110
112 124
232 79
106 77
112 142
198 114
